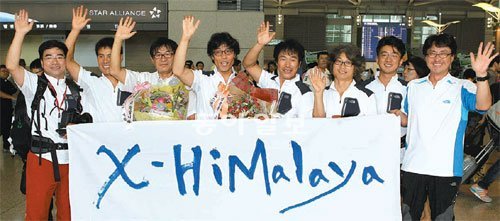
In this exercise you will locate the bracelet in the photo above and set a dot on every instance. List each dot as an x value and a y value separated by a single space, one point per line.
485 78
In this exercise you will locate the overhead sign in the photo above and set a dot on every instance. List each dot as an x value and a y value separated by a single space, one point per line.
281 169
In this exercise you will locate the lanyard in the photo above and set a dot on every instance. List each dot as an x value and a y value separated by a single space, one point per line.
56 101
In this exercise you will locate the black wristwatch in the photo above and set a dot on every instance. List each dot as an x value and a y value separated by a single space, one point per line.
485 78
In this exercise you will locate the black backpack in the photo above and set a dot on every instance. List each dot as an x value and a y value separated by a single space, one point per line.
21 127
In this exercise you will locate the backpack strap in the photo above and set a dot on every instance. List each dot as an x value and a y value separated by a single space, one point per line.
42 84
75 92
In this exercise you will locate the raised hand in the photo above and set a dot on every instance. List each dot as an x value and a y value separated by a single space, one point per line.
480 62
22 23
318 80
80 19
189 27
263 34
125 27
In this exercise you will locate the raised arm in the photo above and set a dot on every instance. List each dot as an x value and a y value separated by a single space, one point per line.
318 82
189 27
79 21
250 60
22 26
480 66
123 32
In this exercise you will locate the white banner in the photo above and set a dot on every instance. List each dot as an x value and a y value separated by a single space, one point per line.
279 169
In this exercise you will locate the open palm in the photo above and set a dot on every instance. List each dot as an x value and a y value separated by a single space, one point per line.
124 29
263 34
318 80
480 62
189 26
22 23
79 18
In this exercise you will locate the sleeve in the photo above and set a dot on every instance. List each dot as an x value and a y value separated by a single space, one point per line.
306 105
405 101
197 79
29 85
265 80
84 78
191 109
132 78
468 93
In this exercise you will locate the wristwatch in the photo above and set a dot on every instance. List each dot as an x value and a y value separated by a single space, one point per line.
485 78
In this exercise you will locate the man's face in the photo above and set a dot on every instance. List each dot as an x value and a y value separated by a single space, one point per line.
54 62
223 58
389 59
37 71
323 61
104 59
288 64
343 68
200 66
439 60
163 59
410 73
4 73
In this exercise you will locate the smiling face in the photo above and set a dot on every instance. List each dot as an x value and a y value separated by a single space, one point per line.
343 68
439 60
410 73
223 58
54 62
104 59
288 64
163 59
389 59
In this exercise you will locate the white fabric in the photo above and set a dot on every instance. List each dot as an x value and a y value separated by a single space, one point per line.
434 115
302 104
132 78
46 106
381 93
333 102
205 87
99 97
324 143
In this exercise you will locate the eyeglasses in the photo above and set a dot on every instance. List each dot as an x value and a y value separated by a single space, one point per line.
347 64
219 53
167 54
440 55
409 69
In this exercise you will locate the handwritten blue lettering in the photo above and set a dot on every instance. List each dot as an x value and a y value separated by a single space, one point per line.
180 169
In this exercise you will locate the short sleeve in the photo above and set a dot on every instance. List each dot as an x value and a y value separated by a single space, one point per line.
468 93
265 80
306 105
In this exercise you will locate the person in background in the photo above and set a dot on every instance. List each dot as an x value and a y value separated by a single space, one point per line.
415 68
200 65
189 64
237 66
7 95
470 75
271 67
322 66
36 67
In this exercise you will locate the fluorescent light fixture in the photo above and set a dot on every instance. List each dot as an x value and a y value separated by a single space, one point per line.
440 27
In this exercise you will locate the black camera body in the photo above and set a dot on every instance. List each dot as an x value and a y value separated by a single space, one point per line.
71 116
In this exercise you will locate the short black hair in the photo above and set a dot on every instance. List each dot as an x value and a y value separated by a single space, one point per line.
440 40
469 74
353 54
52 44
321 53
290 46
222 38
200 62
236 62
3 66
162 42
106 42
420 66
393 42
189 62
36 64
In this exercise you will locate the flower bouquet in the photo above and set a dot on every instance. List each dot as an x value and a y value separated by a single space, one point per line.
240 99
157 102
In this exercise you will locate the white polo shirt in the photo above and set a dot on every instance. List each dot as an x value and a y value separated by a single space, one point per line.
437 119
382 94
48 108
99 97
302 98
333 102
205 86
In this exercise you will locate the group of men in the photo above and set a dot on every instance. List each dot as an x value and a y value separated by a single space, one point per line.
434 106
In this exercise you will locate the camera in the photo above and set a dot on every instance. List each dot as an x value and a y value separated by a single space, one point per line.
71 116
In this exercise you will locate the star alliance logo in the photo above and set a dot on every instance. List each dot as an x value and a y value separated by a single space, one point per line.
155 13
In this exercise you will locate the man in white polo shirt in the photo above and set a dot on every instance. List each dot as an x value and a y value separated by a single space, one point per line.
222 48
288 55
323 61
99 92
437 107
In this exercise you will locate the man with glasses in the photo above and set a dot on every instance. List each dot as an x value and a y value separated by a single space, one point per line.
437 108
41 183
222 48
288 56
162 52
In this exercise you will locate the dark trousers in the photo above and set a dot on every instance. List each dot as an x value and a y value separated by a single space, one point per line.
6 124
442 192
490 176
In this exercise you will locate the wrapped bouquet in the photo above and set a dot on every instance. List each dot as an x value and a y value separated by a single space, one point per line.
240 99
157 102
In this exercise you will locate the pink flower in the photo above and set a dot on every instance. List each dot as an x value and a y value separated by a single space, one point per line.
142 86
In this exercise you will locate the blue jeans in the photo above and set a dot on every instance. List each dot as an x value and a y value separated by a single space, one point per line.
490 176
